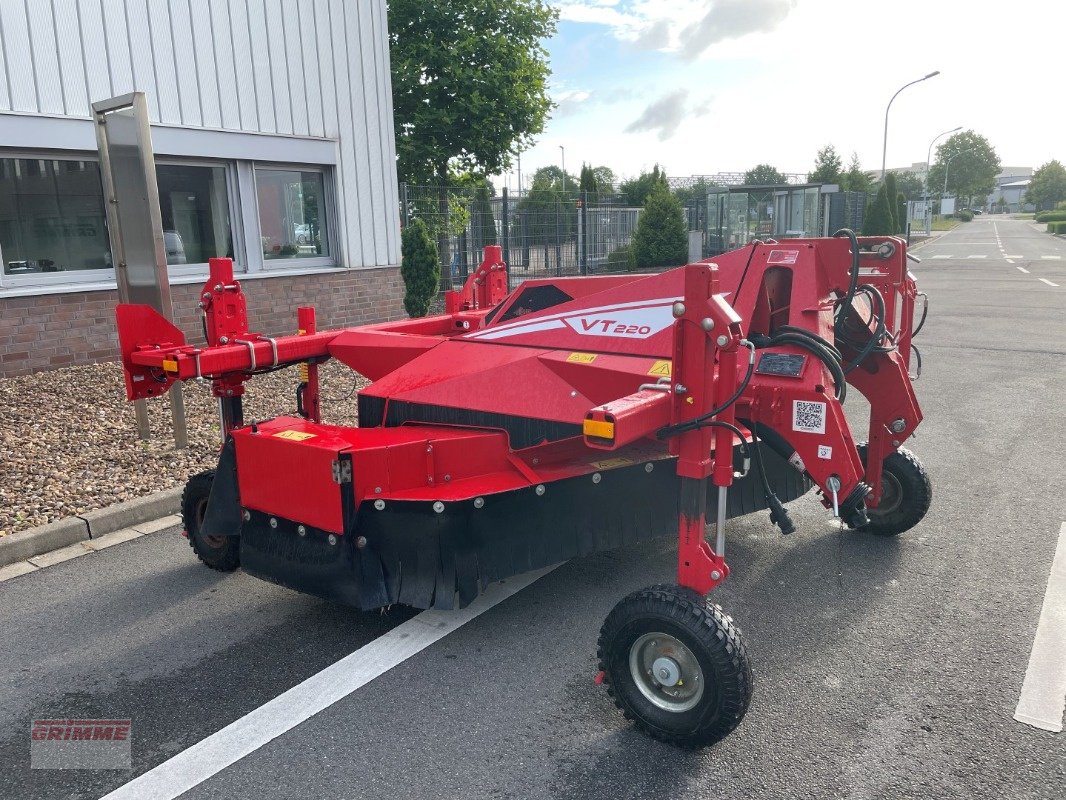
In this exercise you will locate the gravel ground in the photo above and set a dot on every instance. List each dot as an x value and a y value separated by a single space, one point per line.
68 442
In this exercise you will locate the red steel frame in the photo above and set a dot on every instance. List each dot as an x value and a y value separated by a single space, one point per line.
675 335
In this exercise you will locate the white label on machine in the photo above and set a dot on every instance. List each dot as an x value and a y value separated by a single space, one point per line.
808 417
796 461
825 452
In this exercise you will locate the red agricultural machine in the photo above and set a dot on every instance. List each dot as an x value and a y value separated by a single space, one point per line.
568 416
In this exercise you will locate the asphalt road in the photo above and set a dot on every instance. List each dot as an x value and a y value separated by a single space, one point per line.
885 668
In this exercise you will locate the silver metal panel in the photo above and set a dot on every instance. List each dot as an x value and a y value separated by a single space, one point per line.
185 62
204 49
119 57
42 34
387 122
309 44
348 184
293 15
142 50
279 69
94 50
244 67
260 43
358 140
228 96
166 76
19 57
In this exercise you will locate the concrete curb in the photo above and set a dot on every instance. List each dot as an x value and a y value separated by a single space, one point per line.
24 545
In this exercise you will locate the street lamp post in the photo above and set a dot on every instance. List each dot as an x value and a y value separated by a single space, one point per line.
928 157
884 147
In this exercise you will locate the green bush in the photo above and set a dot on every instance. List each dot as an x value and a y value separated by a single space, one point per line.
660 239
878 220
420 268
1051 216
1057 227
965 216
619 260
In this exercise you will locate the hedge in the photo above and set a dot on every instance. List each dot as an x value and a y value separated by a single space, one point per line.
1056 227
1051 216
965 216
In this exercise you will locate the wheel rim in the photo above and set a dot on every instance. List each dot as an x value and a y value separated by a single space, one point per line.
666 672
201 512
891 494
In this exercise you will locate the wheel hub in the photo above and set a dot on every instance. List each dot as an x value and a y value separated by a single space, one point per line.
666 672
891 494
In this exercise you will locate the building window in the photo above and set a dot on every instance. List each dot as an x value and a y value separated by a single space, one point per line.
195 208
52 216
292 213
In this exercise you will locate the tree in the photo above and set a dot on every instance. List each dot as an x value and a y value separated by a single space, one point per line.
971 164
879 216
856 179
587 180
827 167
660 239
638 189
604 179
764 175
547 214
695 193
1047 187
912 187
901 214
469 86
483 219
890 193
419 269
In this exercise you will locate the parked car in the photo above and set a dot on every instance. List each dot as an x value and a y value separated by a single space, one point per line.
302 233
175 247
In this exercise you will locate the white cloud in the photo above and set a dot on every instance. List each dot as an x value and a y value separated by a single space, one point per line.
687 27
665 115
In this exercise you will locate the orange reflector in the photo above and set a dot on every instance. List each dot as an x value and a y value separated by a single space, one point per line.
598 428
170 365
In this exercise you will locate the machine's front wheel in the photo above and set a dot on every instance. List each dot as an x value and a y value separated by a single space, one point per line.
906 493
218 552
675 664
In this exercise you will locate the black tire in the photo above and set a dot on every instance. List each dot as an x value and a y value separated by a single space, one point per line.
906 493
707 714
218 552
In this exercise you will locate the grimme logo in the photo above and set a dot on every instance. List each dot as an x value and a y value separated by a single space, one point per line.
80 744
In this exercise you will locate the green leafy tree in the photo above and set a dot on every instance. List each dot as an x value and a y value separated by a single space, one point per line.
828 167
878 220
1047 186
696 193
587 179
637 190
764 175
469 86
890 192
660 239
856 179
901 214
972 169
547 214
911 185
483 221
419 269
605 179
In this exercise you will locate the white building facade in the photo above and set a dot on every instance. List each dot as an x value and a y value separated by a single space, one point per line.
273 133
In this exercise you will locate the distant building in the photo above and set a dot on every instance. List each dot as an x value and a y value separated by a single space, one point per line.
1011 185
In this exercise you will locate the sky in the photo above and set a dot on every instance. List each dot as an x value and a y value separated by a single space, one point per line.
706 86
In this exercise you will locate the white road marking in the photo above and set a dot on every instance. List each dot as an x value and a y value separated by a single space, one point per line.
1044 687
1051 258
1049 283
210 756
976 257
1022 269
1012 256
941 256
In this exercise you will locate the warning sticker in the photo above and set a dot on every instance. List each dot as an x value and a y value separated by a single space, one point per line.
825 452
661 369
808 417
581 358
783 257
295 436
610 463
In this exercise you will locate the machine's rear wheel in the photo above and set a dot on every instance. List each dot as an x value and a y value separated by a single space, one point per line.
675 664
906 493
218 552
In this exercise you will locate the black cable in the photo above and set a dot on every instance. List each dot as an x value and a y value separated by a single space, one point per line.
698 422
854 277
874 343
925 313
829 356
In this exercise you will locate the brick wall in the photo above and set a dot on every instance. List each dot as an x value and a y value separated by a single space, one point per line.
51 331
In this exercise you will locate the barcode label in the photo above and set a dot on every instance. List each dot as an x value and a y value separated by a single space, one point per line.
808 417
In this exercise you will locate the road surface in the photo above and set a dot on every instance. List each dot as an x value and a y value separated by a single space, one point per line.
885 668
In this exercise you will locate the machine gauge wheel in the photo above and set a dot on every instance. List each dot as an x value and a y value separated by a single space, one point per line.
675 664
218 552
906 493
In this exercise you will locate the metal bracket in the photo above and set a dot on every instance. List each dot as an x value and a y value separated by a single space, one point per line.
342 471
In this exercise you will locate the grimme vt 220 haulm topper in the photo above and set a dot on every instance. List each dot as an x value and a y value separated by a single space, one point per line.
568 416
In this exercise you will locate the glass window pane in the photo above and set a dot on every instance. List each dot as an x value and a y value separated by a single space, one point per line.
195 209
52 216
292 218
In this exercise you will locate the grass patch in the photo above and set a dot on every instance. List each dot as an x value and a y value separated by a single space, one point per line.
945 224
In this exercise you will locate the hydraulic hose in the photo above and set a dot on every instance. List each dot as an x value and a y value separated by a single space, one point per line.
853 281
